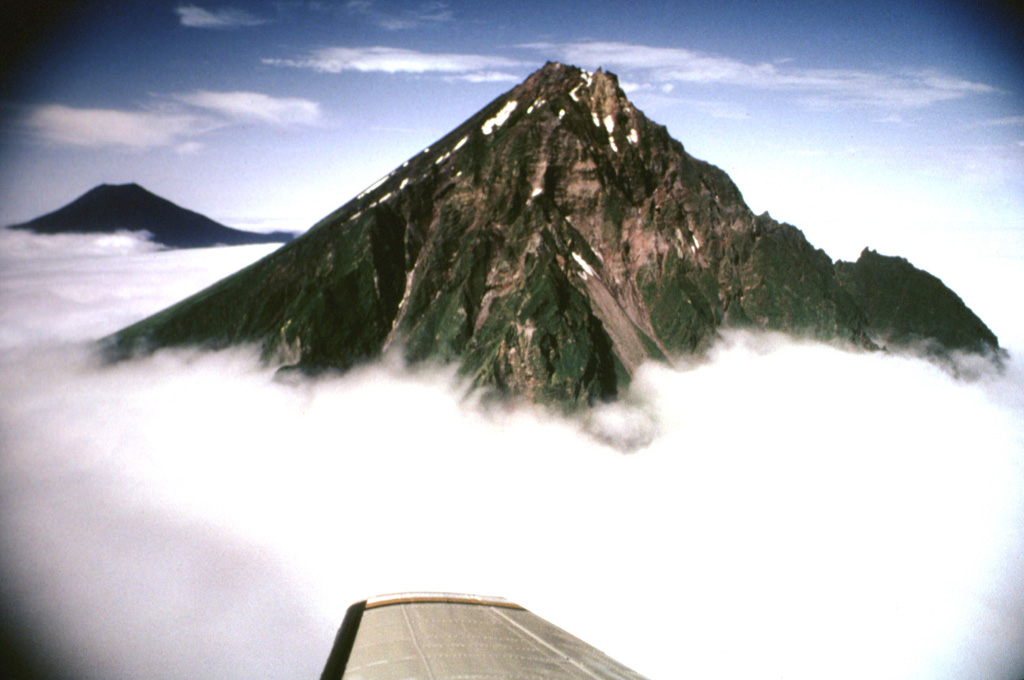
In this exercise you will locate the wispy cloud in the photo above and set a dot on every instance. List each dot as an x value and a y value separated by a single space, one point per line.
473 67
97 128
227 17
188 148
805 153
719 109
487 77
893 118
893 89
175 126
1005 121
255 107
427 14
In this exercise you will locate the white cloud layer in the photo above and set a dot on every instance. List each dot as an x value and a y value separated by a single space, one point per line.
394 60
798 511
255 107
898 89
63 278
197 17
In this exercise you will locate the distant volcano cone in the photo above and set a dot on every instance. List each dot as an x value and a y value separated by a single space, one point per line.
109 208
550 244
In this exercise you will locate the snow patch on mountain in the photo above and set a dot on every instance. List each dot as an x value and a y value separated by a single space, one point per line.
374 185
499 119
587 269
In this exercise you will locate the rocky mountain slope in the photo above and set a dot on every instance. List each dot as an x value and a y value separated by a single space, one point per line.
128 207
910 308
550 244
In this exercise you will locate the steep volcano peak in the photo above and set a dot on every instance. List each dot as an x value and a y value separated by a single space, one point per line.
108 208
130 186
596 96
551 243
555 77
559 114
119 192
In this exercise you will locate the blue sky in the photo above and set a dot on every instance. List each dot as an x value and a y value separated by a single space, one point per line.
871 123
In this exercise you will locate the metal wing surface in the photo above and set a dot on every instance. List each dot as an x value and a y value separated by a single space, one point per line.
447 636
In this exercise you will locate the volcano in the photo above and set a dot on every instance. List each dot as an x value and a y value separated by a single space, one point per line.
550 244
109 208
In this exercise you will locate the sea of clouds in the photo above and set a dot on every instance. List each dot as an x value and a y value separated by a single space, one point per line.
780 509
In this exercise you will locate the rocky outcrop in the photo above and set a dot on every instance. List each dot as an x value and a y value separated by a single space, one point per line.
549 244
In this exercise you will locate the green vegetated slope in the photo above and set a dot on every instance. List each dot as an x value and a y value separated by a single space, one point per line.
908 307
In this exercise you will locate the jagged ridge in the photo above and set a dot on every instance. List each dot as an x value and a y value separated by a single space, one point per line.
551 243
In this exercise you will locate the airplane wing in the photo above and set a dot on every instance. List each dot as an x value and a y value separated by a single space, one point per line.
443 636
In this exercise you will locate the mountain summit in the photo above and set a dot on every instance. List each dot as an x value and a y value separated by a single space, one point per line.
550 244
108 208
